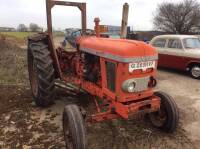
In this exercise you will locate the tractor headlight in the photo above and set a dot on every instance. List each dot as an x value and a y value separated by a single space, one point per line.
137 84
129 86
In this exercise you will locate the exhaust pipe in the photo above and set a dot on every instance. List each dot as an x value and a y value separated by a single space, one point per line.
124 21
97 28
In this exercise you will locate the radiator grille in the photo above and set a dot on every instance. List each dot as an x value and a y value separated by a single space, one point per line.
141 84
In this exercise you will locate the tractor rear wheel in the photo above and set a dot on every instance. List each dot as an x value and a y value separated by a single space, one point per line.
73 128
41 74
167 117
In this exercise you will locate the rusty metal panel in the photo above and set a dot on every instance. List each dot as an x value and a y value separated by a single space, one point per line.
51 3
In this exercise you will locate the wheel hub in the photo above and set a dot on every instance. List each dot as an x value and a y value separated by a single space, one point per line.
159 118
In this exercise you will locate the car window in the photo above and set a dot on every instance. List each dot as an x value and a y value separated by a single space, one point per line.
191 43
159 43
174 43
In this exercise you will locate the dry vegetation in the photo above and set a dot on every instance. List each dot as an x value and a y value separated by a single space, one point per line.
17 37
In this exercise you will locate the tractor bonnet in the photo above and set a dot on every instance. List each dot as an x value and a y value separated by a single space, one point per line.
118 49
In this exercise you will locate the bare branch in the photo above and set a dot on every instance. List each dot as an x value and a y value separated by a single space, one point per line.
178 18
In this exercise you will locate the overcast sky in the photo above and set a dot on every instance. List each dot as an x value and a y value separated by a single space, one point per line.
14 12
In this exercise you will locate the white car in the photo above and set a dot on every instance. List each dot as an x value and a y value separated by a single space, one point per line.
179 52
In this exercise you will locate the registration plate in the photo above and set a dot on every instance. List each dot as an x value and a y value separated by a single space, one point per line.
141 65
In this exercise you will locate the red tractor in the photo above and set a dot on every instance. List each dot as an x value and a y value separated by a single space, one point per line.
119 73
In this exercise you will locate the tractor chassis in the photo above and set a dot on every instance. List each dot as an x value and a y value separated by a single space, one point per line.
108 108
114 109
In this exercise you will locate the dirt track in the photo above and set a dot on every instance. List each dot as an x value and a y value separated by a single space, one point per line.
23 125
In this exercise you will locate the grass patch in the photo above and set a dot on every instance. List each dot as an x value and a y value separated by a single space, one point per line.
23 35
19 35
58 34
19 38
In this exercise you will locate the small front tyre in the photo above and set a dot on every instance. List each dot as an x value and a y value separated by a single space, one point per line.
73 128
167 117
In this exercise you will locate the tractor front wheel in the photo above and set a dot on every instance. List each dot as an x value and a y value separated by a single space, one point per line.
73 128
167 117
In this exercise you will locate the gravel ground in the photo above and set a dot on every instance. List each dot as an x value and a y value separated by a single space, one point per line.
186 92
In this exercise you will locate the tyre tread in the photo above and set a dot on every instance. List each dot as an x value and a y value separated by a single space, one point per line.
76 124
45 73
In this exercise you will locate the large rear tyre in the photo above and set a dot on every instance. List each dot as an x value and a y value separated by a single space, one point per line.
167 117
41 74
73 128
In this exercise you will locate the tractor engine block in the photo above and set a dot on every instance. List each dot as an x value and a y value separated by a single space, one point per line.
91 70
81 64
67 60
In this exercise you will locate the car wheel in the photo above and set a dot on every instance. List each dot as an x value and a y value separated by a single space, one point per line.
195 71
